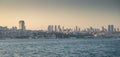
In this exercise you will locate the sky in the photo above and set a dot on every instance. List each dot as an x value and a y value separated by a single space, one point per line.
38 14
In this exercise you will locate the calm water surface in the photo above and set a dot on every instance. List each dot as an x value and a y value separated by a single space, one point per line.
60 48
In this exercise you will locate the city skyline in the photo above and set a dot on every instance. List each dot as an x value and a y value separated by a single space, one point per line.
38 14
57 28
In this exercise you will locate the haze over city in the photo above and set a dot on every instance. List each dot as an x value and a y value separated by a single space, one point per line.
38 14
59 28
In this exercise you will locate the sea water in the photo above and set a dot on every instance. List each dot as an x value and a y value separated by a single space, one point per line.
60 48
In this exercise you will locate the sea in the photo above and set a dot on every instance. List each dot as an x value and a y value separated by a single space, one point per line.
105 47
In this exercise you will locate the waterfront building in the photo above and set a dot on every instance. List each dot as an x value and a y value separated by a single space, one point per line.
103 29
50 28
62 28
56 29
118 29
3 28
59 28
22 25
14 28
110 28
77 29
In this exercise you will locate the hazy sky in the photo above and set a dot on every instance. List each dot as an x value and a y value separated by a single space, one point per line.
38 14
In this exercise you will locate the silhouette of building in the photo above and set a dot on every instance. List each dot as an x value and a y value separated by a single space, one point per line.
22 25
110 28
59 28
56 28
3 28
104 29
50 28
77 29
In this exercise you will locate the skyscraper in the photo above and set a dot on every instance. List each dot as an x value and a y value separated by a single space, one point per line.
103 29
56 28
50 28
77 29
59 28
110 28
22 25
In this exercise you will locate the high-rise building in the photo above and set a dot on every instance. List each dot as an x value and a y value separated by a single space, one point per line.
59 28
110 28
50 28
103 29
118 29
77 29
22 25
56 29
62 28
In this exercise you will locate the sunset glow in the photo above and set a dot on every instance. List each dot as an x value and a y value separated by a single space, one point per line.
38 14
